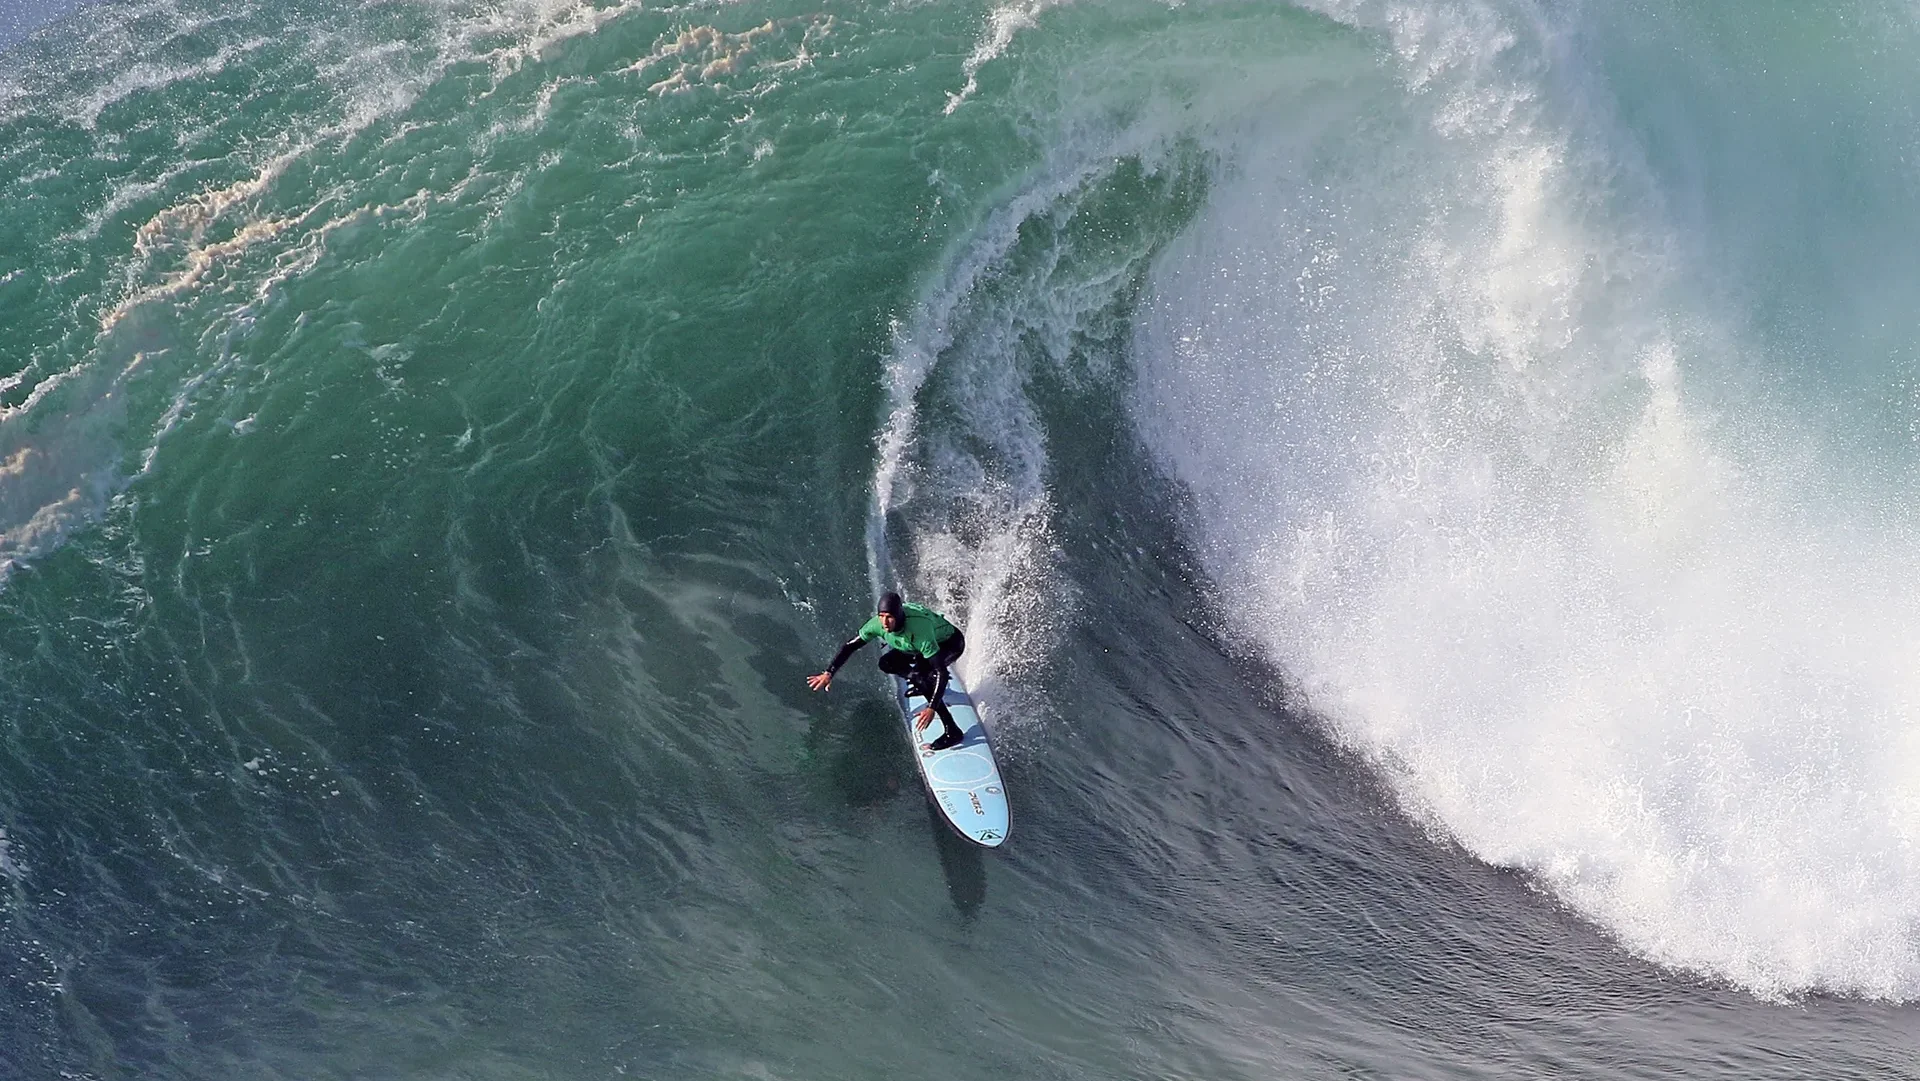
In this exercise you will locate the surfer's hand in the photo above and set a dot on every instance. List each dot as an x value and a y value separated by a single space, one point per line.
923 718
821 681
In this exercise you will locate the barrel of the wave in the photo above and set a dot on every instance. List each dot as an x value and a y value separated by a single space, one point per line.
963 780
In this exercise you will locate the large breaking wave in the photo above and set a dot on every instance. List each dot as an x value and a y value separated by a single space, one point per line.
1492 455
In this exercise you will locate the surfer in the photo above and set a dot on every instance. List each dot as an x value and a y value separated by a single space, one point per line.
921 646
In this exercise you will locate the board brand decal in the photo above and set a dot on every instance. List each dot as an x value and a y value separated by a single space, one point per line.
977 809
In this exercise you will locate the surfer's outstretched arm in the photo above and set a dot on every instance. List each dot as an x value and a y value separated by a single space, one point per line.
825 679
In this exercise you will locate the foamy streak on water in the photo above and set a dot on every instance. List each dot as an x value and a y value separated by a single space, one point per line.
1002 24
152 76
704 54
291 263
1439 427
55 476
185 225
10 868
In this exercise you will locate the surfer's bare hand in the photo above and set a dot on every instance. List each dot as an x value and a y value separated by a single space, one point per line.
821 681
922 719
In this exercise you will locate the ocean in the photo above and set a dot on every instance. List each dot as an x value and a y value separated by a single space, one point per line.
1426 485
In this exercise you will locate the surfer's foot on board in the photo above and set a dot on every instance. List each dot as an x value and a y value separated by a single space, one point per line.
948 739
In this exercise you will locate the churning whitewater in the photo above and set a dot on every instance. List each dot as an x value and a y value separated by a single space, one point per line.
1426 488
1489 462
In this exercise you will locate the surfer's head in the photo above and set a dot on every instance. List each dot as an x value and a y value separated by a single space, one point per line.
891 611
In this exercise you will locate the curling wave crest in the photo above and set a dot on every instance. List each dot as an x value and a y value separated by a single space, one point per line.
1483 464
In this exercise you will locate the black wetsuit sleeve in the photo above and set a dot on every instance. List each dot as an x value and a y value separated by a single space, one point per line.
846 650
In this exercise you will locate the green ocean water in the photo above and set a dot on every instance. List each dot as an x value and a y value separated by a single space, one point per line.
1424 486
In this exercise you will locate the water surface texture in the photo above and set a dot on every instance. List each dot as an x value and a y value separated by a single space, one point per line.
1427 487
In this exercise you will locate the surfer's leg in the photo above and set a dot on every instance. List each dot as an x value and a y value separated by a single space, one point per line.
930 680
950 735
934 668
920 680
923 680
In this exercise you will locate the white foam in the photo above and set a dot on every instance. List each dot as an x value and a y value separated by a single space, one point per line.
1003 23
1479 471
10 868
148 76
707 56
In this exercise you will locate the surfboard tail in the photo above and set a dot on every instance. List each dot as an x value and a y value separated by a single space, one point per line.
964 780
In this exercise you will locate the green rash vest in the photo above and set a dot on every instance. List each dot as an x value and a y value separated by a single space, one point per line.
921 631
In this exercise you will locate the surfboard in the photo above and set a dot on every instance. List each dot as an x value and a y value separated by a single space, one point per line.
963 780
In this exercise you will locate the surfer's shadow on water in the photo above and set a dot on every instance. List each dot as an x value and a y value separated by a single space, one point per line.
858 756
857 753
962 864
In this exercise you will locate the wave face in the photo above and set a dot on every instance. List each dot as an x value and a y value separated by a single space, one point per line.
1546 413
1423 483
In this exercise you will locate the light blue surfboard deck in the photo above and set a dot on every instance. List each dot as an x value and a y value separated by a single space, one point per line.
964 780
